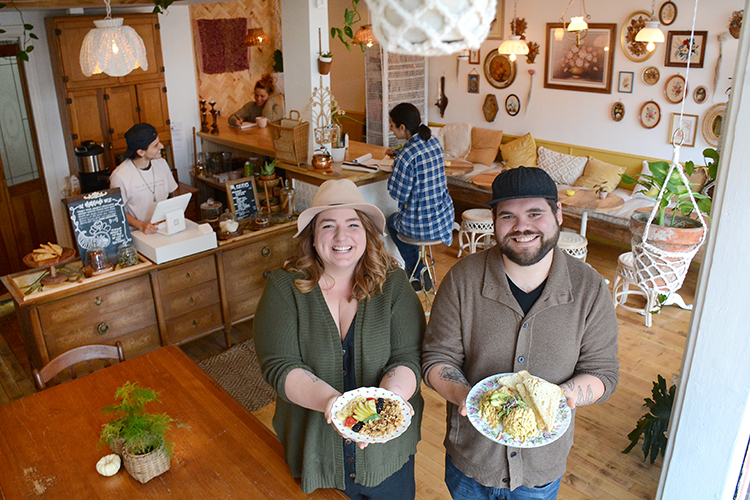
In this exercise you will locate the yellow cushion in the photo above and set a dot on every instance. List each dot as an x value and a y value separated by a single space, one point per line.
521 151
600 172
484 145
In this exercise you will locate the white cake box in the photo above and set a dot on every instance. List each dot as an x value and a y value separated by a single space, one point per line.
160 248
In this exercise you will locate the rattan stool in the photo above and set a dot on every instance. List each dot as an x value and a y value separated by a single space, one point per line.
425 257
573 244
625 277
477 228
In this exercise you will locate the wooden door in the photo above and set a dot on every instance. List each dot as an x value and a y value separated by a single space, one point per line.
152 105
84 111
121 104
25 214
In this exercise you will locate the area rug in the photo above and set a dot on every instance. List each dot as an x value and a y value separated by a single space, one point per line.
238 372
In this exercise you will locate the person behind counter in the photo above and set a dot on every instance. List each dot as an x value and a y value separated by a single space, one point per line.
144 178
340 315
419 185
267 103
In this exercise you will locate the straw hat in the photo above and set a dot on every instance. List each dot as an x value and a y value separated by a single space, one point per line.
341 193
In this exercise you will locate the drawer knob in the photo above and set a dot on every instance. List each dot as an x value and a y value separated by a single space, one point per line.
266 251
98 301
191 300
266 274
102 328
195 323
187 275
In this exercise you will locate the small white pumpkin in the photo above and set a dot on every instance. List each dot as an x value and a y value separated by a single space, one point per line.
108 465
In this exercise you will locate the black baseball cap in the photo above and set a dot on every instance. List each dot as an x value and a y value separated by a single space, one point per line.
139 136
522 182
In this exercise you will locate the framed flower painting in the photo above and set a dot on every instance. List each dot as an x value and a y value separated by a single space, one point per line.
586 68
650 114
681 49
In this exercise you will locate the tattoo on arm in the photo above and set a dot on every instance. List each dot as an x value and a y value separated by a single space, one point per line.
311 376
452 374
390 373
585 396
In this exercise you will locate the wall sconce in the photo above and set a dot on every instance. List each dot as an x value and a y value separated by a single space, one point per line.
365 36
651 33
578 24
255 37
112 48
513 45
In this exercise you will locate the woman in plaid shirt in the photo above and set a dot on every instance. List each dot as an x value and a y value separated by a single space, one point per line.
419 186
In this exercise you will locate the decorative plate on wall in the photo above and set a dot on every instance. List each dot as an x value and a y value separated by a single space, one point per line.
650 75
667 13
618 111
650 114
712 124
635 51
499 70
675 89
700 94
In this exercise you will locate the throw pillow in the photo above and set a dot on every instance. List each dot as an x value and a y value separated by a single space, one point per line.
600 172
457 140
564 169
521 151
484 145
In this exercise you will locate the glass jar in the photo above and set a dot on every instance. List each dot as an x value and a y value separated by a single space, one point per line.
127 255
97 261
287 200
211 210
228 223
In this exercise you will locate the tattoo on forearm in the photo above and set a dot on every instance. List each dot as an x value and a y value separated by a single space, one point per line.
311 376
582 396
451 374
390 373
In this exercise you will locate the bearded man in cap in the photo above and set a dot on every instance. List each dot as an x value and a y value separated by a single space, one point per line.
144 178
522 305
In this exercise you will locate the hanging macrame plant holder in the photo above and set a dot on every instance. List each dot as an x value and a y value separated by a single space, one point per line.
662 254
430 27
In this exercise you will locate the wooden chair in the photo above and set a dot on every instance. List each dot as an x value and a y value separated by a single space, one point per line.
69 359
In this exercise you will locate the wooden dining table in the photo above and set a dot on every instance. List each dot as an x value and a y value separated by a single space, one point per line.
49 440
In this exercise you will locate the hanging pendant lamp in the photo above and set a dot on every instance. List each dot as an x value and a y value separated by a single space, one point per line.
514 45
365 36
112 48
651 33
255 37
578 26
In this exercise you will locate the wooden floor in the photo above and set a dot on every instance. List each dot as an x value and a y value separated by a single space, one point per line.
596 467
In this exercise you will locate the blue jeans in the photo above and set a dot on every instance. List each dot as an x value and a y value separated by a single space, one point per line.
463 487
410 253
399 486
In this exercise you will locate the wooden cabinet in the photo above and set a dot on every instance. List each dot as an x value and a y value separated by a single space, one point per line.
102 108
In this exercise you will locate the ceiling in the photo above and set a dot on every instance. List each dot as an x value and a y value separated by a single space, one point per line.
64 4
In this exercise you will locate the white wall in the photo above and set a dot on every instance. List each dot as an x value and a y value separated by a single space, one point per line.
583 118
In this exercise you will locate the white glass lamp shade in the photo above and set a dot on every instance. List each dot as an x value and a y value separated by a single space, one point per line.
651 33
577 24
112 48
514 45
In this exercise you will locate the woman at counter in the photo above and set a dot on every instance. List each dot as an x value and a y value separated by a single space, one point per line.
419 185
340 315
144 178
266 103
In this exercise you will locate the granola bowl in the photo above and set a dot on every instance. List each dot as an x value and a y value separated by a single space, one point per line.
389 415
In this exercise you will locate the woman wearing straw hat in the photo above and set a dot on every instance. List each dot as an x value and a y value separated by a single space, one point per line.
340 315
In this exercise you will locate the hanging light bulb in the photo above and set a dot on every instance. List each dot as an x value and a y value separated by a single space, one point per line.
514 45
112 48
255 37
651 33
578 25
365 36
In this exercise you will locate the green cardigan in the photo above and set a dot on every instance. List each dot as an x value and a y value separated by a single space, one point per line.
296 330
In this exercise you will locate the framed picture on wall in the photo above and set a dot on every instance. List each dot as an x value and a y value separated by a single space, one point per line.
474 83
474 56
684 134
512 105
496 28
625 84
680 49
586 68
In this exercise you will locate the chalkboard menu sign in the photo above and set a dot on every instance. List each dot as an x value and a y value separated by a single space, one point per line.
99 219
241 195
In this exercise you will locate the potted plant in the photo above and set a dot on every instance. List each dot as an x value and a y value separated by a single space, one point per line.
601 190
324 62
267 175
138 436
653 424
674 236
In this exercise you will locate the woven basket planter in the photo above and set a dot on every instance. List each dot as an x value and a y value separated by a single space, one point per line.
117 446
662 263
143 468
290 137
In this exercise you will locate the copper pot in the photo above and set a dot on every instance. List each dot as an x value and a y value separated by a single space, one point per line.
322 161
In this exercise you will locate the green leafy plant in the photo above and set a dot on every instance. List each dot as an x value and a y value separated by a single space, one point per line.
711 166
140 432
26 38
325 54
278 61
675 191
345 33
161 6
268 169
653 425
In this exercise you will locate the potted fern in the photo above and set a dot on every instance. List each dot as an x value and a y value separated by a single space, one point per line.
138 436
653 425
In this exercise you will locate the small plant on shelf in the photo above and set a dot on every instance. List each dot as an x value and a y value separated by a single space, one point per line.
268 170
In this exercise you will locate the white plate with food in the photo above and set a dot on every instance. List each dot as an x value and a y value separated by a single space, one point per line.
518 410
370 415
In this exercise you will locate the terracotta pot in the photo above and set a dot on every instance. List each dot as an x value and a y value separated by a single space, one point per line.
324 66
663 273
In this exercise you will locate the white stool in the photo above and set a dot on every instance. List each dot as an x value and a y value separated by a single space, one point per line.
477 228
425 257
624 278
573 244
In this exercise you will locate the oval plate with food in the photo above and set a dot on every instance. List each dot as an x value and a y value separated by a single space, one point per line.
562 418
395 417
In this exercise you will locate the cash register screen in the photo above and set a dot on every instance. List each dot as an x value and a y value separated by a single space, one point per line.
170 205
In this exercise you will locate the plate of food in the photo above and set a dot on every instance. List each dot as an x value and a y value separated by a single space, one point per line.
371 415
518 410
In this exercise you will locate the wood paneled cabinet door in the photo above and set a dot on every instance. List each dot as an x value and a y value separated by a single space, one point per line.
85 116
